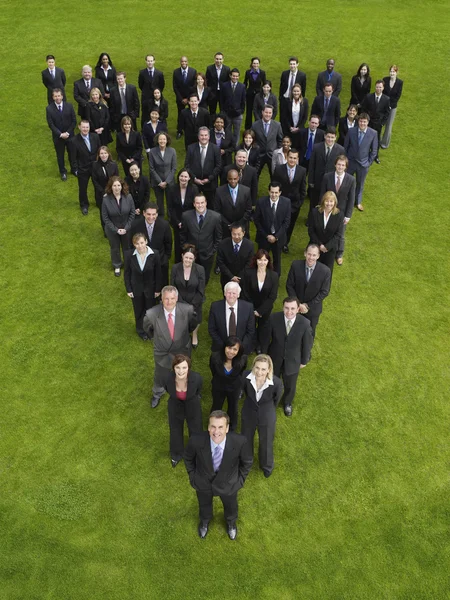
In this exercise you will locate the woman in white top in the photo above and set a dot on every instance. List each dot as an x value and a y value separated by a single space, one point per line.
279 156
294 114
201 90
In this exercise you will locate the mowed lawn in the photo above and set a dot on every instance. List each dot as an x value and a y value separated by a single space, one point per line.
358 504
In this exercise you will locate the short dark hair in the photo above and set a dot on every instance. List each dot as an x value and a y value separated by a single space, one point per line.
219 414
331 129
275 184
291 299
237 225
293 151
328 84
121 73
49 57
235 70
379 81
179 358
293 58
150 205
56 90
254 58
363 116
312 245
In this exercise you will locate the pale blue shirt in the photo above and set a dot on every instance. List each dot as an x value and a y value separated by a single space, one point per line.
142 261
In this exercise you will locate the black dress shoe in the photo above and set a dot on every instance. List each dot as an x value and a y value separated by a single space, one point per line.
179 134
63 176
377 160
84 211
174 462
143 336
155 402
116 272
74 173
195 346
286 249
232 532
217 270
267 474
288 410
202 530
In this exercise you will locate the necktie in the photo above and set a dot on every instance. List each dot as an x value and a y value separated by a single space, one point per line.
202 155
217 458
236 248
266 129
201 218
53 74
87 85
377 99
232 322
170 325
234 87
123 102
308 273
291 82
233 196
150 232
338 184
60 107
327 101
288 326
88 143
309 149
240 174
360 136
184 76
274 210
291 175
150 74
194 116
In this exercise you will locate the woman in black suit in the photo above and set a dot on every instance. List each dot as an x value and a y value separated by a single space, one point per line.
201 90
142 276
160 103
139 187
262 391
184 388
393 87
254 79
220 136
128 145
151 129
227 366
189 279
102 170
118 215
180 199
347 122
325 228
106 72
260 287
251 147
294 113
162 160
360 85
98 116
264 97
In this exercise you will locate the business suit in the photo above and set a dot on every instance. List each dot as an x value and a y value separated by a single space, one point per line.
230 263
117 216
311 292
58 81
343 129
205 238
210 169
214 84
378 112
252 155
189 410
149 132
160 240
203 96
83 160
149 80
233 101
394 93
132 105
245 325
63 121
320 164
227 385
359 90
143 283
324 77
182 87
98 117
224 141
101 173
190 125
289 351
259 104
263 300
267 144
139 190
300 78
361 154
265 225
287 120
262 416
236 463
253 84
108 78
131 148
305 150
327 236
191 291
329 117
176 207
295 190
231 212
248 176
81 93
346 200
162 105
162 169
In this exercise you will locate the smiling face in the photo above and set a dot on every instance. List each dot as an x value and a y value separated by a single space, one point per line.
233 178
313 123
200 81
87 74
188 259
296 93
200 204
274 193
183 62
363 71
261 369
234 77
126 127
57 97
184 178
141 245
150 61
218 124
267 114
340 167
351 113
218 60
162 141
286 143
241 158
362 124
181 370
218 429
292 159
262 262
95 97
103 154
293 64
379 87
157 94
116 188
237 235
330 139
150 215
290 309
203 137
231 351
255 64
169 300
266 89
105 60
312 254
330 65
135 172
329 204
232 295
84 128
154 116
121 80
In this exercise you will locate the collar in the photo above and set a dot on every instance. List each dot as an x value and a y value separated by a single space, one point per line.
251 377
149 251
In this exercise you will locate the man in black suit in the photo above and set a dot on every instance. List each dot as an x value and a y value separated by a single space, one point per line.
62 121
292 178
158 234
322 161
307 138
269 137
216 75
234 254
329 76
183 80
272 218
232 317
233 202
290 347
53 77
148 80
124 101
203 162
202 227
248 175
82 88
218 463
344 186
377 106
191 119
327 107
289 78
309 281
85 146
233 102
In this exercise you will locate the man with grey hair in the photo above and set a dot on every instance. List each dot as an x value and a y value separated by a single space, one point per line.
169 326
82 88
232 317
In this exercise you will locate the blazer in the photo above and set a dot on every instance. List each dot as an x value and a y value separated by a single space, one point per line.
295 190
162 168
343 129
363 153
303 138
245 325
161 237
61 121
131 99
108 79
205 239
231 213
310 292
346 194
59 81
253 86
233 104
253 157
333 113
212 80
231 264
203 102
226 144
263 219
359 90
174 204
182 88
294 349
236 463
139 190
330 235
190 126
163 108
148 134
393 93
192 292
118 217
82 158
248 177
319 164
191 405
145 282
286 115
273 140
148 83
155 325
211 167
81 93
378 112
300 78
101 172
259 103
267 404
233 380
98 116
263 300
130 149
323 78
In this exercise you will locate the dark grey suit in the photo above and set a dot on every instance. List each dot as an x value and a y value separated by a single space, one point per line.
346 200
61 122
361 154
59 81
318 166
162 168
205 238
209 170
324 78
267 144
231 213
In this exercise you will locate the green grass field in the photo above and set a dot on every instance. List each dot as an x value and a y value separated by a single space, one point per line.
358 505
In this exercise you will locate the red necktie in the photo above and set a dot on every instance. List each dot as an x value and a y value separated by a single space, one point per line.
170 325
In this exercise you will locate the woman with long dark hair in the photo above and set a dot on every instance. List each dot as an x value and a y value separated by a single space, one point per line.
254 79
360 85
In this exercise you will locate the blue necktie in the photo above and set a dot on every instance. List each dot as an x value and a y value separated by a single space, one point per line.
236 248
309 149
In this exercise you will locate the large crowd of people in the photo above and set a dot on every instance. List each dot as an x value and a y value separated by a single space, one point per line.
205 210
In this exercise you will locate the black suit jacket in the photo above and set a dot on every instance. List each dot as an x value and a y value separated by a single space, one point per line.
130 149
190 126
248 177
146 281
284 82
211 77
211 166
231 264
294 349
343 130
61 121
132 101
333 113
161 237
140 190
226 145
253 86
206 239
263 219
101 172
393 93
194 291
346 194
241 211
245 325
286 116
108 80
295 190
359 90
182 88
263 411
336 82
115 216
377 111
81 93
233 103
147 84
259 105
148 134
329 235
236 463
319 164
263 300
58 82
175 206
303 137
312 292
82 158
